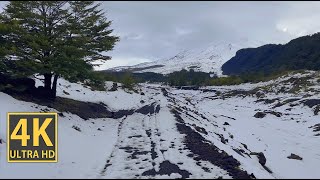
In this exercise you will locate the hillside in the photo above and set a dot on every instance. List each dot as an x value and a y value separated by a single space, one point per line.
163 132
300 53
206 59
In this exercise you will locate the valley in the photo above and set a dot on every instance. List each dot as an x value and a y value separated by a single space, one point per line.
261 130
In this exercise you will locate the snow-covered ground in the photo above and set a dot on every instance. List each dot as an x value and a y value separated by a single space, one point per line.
207 133
77 151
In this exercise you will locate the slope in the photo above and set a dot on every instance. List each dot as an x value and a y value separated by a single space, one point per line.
206 59
300 53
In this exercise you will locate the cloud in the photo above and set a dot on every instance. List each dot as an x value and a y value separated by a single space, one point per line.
160 29
165 28
182 31
120 61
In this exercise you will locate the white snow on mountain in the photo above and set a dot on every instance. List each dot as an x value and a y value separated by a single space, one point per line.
209 58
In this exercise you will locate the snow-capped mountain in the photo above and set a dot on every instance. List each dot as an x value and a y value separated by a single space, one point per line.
206 59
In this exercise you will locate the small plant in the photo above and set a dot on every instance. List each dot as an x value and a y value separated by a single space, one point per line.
128 81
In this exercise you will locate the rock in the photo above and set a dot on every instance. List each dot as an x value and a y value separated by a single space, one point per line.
65 92
278 114
99 129
260 115
294 156
260 94
61 114
252 176
200 129
142 101
226 123
142 93
267 169
261 157
245 146
114 87
76 128
315 127
316 110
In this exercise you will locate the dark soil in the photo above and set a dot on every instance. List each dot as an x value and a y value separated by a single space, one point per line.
285 102
311 102
206 151
167 168
149 109
267 101
85 110
264 113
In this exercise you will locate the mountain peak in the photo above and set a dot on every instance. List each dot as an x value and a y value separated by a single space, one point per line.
209 58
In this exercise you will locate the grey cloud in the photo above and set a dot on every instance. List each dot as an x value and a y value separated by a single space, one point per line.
154 30
165 28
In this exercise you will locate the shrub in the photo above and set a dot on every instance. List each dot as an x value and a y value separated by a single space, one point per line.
128 81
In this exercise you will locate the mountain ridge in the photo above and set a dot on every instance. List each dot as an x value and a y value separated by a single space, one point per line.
204 59
299 53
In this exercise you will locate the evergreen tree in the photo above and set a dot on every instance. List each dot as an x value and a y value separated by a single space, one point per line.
55 39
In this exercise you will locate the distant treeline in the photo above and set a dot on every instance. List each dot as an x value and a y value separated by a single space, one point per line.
129 79
178 78
187 78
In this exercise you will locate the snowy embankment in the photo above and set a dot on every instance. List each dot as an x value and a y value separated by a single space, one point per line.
170 133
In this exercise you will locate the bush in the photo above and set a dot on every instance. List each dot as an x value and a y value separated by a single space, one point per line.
128 81
96 81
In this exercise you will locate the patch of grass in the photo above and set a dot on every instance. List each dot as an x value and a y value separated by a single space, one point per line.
231 80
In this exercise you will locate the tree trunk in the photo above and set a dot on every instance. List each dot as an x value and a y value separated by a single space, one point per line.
54 86
47 81
50 86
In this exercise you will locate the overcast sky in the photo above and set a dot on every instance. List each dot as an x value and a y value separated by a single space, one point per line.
153 30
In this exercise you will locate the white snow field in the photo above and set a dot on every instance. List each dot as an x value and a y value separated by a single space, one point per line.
176 133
